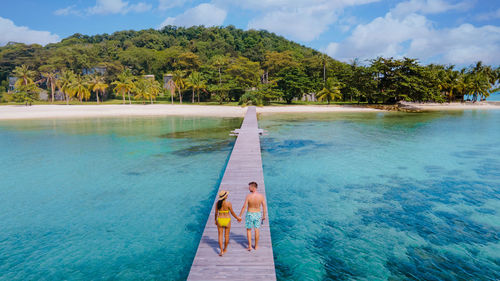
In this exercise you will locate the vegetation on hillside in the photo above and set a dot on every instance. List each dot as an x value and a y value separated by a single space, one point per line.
222 64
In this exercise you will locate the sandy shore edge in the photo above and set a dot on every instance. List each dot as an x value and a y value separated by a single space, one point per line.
453 106
13 112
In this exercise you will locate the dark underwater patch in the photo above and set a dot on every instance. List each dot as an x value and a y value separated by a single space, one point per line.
224 128
426 263
216 146
133 173
416 201
274 146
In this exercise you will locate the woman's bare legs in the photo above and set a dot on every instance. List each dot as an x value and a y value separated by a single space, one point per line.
226 234
221 231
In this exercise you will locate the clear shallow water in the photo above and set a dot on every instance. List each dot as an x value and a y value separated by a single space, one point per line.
494 97
384 196
108 199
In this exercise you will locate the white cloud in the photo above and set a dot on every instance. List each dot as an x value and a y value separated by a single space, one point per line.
303 24
70 10
203 14
168 4
426 7
103 7
489 16
9 32
297 19
415 36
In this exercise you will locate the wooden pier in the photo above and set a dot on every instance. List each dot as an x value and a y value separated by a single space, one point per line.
244 166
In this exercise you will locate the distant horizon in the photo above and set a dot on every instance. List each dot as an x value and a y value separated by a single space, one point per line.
434 31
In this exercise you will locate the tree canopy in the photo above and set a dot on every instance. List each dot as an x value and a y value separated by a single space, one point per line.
224 63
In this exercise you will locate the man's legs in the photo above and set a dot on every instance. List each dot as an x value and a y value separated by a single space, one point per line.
256 238
249 237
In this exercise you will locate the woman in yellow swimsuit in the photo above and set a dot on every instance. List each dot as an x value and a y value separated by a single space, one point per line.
223 219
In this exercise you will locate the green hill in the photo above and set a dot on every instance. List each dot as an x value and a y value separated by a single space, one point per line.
229 64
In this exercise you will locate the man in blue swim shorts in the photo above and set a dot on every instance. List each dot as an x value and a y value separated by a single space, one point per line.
254 216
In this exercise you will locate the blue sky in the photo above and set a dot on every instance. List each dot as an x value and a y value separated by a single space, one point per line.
444 31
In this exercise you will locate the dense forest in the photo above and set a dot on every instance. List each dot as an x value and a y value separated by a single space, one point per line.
222 64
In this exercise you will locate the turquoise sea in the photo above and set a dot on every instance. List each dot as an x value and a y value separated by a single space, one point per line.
384 196
494 97
107 199
352 196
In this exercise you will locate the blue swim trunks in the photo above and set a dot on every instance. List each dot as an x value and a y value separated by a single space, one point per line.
253 220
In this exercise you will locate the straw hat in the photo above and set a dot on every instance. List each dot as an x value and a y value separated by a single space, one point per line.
223 194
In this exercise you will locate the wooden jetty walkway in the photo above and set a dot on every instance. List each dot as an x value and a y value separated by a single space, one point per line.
244 166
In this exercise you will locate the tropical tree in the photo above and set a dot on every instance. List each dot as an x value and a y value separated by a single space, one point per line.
52 79
479 86
65 84
80 88
171 87
293 83
140 89
219 62
26 90
196 83
124 85
97 85
24 75
154 90
178 78
331 91
147 89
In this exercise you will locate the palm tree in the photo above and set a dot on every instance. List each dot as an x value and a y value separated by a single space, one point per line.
26 89
97 84
24 74
171 86
196 82
146 89
140 89
479 86
154 89
80 88
124 85
331 91
178 79
51 78
65 84
448 79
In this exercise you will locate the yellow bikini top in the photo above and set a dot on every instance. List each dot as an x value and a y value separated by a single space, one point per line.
224 211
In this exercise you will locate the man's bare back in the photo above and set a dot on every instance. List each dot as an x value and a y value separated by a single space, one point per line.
255 201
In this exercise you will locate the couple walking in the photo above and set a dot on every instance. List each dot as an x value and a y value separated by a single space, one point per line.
254 201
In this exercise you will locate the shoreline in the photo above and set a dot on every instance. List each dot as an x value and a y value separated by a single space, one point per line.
450 106
21 112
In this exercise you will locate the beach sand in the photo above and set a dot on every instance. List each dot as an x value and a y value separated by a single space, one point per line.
11 112
453 106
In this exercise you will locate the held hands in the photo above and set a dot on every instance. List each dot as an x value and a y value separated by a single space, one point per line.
239 219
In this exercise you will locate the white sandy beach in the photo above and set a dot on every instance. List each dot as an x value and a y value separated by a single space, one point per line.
454 106
11 112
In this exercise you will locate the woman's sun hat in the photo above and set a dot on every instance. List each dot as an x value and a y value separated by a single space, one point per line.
223 194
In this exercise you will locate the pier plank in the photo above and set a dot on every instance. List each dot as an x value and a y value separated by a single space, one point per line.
244 165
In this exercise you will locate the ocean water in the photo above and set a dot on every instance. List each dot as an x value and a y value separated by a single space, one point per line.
384 196
494 97
107 199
